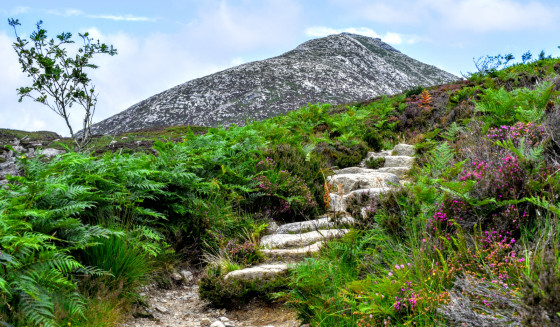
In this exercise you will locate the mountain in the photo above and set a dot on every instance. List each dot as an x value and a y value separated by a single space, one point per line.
336 69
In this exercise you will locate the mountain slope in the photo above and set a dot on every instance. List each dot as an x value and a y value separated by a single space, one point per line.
336 69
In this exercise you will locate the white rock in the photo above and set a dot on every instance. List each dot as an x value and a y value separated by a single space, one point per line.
223 319
217 324
311 225
403 150
399 161
283 241
399 171
187 276
176 276
271 228
50 152
336 203
261 272
294 253
161 308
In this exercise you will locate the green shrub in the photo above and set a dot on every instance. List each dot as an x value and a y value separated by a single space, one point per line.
414 91
375 162
128 265
373 139
230 293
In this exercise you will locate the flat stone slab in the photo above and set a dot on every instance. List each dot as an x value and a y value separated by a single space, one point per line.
312 225
261 272
399 171
399 161
404 150
354 170
293 254
285 241
370 179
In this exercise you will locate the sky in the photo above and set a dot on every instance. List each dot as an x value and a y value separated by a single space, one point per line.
168 42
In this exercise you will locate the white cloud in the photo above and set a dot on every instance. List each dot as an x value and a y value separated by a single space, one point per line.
497 15
389 37
69 12
128 18
19 10
470 15
322 31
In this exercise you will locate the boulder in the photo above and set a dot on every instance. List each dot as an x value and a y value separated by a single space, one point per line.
50 152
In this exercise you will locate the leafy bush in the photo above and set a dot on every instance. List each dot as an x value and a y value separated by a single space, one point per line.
373 139
375 163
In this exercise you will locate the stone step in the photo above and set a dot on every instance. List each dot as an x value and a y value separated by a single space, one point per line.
260 272
312 225
403 150
367 178
292 254
400 172
339 204
285 241
399 161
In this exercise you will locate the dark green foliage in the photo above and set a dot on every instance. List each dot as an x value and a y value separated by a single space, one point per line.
541 290
375 163
414 91
341 155
310 167
373 139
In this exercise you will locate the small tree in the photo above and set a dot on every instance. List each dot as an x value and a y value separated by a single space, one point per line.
59 79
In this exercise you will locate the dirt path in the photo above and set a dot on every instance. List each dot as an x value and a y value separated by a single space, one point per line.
181 306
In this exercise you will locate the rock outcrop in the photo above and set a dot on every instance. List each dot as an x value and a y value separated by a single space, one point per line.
336 69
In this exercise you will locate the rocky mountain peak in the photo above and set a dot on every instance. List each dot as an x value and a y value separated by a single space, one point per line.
337 69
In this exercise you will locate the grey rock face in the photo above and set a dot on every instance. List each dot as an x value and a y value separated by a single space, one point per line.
336 69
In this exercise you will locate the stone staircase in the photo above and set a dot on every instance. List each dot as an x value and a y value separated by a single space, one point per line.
289 243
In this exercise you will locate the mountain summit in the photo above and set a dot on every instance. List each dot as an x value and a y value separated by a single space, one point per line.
337 69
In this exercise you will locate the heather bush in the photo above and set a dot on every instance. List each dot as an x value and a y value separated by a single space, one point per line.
284 196
309 166
245 254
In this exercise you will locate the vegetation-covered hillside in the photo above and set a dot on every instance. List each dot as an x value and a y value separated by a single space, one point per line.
471 239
